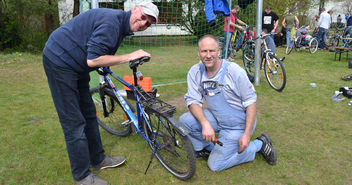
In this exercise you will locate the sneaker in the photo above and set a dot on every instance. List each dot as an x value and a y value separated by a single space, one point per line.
267 149
202 154
109 162
92 179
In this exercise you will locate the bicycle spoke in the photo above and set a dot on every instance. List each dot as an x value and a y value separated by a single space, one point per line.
172 149
275 73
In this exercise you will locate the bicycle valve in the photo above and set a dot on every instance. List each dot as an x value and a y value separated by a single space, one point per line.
218 142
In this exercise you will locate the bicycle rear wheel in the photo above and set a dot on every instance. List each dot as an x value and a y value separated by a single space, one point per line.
173 150
313 45
275 72
116 121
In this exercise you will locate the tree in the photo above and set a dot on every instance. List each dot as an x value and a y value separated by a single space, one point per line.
347 6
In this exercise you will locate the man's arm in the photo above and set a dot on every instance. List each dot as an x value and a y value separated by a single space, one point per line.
276 22
284 23
241 22
297 21
275 25
110 60
208 132
250 119
235 25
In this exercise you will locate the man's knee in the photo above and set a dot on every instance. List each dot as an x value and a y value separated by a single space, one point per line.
216 164
188 120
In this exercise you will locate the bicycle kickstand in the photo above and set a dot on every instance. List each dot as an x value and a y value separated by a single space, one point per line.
151 159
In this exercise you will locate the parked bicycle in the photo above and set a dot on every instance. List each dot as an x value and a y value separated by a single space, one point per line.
237 42
299 42
274 69
152 119
334 38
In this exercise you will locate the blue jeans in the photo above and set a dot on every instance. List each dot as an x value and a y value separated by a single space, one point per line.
227 40
321 37
288 36
77 115
270 43
221 157
239 40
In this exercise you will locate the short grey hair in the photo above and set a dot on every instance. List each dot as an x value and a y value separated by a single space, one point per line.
209 36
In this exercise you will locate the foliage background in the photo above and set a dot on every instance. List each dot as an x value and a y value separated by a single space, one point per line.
26 25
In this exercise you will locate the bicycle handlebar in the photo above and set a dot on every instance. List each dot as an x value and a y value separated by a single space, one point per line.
265 35
139 61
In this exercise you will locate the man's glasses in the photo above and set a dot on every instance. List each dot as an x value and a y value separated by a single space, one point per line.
145 17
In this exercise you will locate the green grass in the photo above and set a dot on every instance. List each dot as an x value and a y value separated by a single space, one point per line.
311 133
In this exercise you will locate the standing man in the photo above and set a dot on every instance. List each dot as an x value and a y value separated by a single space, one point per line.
348 29
86 42
233 26
231 111
270 20
289 22
323 27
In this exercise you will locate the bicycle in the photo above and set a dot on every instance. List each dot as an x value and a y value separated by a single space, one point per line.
154 121
334 38
236 43
298 44
274 69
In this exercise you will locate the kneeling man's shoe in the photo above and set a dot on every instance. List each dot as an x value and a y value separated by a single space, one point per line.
267 149
202 154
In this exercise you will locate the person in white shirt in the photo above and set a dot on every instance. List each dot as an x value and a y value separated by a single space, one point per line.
323 27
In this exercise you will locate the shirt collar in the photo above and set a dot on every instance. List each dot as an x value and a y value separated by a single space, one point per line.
127 22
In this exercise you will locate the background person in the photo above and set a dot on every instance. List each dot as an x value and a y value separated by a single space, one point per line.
323 27
270 20
231 111
303 36
233 27
86 42
289 22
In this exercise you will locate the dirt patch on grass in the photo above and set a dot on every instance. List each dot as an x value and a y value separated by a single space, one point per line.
178 102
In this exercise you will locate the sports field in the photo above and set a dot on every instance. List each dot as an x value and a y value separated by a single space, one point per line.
311 134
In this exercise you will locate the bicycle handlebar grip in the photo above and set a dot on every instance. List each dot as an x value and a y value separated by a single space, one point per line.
138 61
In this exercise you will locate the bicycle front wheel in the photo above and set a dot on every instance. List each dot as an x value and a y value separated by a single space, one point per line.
275 72
113 119
289 47
248 59
313 45
173 150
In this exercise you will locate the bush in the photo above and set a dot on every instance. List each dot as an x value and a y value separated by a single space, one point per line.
9 31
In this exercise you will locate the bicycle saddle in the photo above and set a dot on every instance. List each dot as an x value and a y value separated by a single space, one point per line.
139 61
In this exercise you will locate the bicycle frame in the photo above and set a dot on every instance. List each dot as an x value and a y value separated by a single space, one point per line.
140 112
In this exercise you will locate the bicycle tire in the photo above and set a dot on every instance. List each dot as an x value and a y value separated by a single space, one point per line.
313 45
173 150
289 47
248 54
275 73
116 122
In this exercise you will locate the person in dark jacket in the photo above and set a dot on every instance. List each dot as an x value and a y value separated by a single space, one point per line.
88 41
270 20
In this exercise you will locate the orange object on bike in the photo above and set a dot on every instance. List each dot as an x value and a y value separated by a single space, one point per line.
145 83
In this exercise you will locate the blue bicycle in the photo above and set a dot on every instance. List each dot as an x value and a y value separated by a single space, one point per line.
152 119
